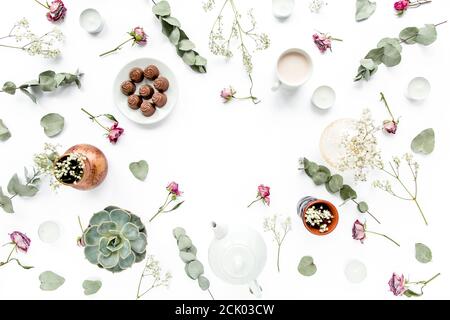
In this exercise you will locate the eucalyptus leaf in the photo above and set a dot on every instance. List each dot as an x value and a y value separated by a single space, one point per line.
306 266
53 124
29 94
363 207
427 35
186 45
423 253
50 281
376 55
311 169
4 131
320 178
408 35
91 286
174 36
47 81
368 64
189 58
200 61
139 169
392 41
187 256
184 242
22 190
9 87
162 8
5 202
347 193
172 21
203 283
194 269
335 183
178 232
391 56
424 142
364 9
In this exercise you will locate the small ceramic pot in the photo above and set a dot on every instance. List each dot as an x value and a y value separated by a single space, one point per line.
307 202
95 166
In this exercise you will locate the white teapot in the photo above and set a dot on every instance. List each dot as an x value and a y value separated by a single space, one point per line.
237 255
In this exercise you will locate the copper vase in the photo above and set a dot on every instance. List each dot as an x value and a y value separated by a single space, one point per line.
95 166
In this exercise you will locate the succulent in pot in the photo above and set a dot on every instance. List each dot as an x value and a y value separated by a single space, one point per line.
320 217
115 239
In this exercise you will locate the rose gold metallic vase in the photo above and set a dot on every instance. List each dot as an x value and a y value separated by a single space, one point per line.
95 166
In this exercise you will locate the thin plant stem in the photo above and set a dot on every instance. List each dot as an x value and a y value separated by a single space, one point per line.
79 223
418 3
278 257
387 106
116 48
46 7
212 297
254 201
383 235
9 256
368 212
94 118
161 209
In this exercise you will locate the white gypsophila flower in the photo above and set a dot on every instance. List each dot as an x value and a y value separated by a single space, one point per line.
360 148
154 270
209 5
316 5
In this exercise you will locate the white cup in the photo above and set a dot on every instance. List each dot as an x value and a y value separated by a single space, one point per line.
294 68
91 21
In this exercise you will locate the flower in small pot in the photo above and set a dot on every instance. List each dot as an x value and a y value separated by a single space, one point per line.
82 166
320 217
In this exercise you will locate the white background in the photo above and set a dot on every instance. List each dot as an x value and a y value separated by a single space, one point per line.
219 153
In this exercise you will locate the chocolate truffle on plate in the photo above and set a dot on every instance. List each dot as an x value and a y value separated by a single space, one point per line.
159 99
147 109
146 91
127 88
161 84
151 72
136 75
134 101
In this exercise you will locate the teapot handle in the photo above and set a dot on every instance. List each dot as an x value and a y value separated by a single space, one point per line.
255 289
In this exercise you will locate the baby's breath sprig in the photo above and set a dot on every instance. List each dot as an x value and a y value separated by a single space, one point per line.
153 269
220 42
279 232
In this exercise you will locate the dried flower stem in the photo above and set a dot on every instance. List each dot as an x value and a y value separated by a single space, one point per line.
9 259
368 212
116 48
383 235
270 225
162 209
94 118
418 3
152 269
387 106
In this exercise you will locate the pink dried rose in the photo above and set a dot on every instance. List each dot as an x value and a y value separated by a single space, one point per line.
359 231
140 37
115 132
172 197
397 284
401 6
227 94
262 195
323 41
21 241
57 11
389 126
173 188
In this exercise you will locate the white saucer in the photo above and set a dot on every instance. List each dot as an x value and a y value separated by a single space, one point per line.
282 9
121 100
323 97
418 88
91 20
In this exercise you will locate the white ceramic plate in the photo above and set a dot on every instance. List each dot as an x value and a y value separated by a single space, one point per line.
121 100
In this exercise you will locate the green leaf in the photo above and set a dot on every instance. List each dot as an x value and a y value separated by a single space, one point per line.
320 178
427 35
139 169
178 232
200 61
139 245
175 207
9 87
4 131
50 281
22 190
172 21
410 294
189 58
376 55
347 193
174 36
368 64
91 286
408 35
311 169
29 94
110 117
392 41
130 231
187 256
5 203
184 242
423 253
391 56
306 266
194 269
53 124
364 9
47 80
424 142
166 28
203 283
335 183
363 207
162 8
186 45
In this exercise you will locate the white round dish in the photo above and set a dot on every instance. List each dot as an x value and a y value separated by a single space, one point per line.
323 97
355 271
282 9
121 100
91 20
418 88
49 231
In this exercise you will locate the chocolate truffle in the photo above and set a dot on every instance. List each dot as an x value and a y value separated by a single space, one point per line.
134 101
146 91
151 72
127 88
136 75
159 99
147 109
161 84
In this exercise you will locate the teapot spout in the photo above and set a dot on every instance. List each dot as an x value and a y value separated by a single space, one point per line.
219 231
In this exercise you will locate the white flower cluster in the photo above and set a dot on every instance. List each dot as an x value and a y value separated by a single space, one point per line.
153 269
316 5
320 217
71 166
361 151
270 225
33 44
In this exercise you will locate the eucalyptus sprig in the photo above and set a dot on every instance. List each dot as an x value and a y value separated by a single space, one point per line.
194 268
17 188
392 169
47 81
388 50
321 175
171 27
4 131
242 31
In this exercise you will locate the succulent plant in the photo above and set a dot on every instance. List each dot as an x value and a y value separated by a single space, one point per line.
115 239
